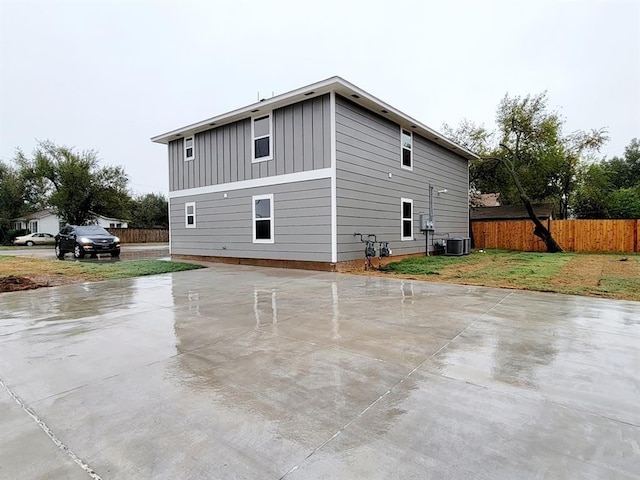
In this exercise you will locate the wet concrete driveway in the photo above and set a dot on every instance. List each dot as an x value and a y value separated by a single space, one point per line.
242 372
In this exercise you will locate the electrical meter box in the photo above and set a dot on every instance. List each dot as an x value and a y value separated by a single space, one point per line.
425 223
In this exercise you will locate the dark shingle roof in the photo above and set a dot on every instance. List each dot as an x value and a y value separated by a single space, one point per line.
511 212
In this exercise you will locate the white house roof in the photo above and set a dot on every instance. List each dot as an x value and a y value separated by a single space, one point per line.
36 215
333 84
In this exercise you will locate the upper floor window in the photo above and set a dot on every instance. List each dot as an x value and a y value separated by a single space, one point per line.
190 215
406 221
263 218
188 149
262 146
406 141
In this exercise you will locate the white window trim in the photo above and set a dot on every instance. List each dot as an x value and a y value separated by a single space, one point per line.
402 165
193 148
402 219
186 215
254 138
253 217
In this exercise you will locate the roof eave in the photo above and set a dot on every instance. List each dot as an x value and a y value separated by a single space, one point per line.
334 84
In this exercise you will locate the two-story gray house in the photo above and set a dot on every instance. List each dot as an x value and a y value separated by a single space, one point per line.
293 177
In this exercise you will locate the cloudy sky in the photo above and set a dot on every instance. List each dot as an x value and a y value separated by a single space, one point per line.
108 74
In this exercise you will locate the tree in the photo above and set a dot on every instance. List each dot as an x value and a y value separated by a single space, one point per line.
590 199
73 184
528 159
150 211
11 199
610 188
625 172
624 203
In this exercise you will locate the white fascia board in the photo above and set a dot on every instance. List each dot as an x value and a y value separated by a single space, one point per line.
377 105
319 88
334 84
254 183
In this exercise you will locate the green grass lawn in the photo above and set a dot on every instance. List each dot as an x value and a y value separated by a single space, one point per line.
135 268
609 275
55 272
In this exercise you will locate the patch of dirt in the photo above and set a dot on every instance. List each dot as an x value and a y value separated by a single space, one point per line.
580 271
588 270
15 284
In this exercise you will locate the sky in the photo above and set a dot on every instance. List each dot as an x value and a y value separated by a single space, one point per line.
107 75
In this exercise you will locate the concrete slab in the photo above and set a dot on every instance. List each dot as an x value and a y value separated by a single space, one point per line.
243 372
26 451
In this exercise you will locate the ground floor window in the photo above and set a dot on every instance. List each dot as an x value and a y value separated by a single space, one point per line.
190 214
263 218
33 227
406 222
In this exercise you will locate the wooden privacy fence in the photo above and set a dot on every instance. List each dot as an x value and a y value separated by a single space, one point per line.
572 235
141 235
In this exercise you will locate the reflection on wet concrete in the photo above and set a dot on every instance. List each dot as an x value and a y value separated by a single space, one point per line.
265 306
238 371
127 254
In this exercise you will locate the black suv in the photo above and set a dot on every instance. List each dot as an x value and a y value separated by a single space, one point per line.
88 239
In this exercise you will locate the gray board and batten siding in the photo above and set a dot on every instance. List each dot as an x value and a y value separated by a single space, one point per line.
301 216
368 201
300 138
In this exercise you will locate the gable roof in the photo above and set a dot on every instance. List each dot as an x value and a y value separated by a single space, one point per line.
35 215
334 84
511 212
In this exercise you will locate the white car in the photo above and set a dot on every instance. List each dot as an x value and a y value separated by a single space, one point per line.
35 239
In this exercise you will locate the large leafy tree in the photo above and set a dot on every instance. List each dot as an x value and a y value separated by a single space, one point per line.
150 211
12 203
591 195
527 158
625 172
73 183
610 188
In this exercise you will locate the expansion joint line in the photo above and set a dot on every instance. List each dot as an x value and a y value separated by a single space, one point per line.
385 394
82 464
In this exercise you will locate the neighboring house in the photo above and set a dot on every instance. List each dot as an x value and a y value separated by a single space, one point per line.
544 211
45 221
293 177
108 222
486 200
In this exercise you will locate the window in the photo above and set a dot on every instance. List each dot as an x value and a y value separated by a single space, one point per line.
406 229
190 215
261 147
33 226
406 143
188 149
263 218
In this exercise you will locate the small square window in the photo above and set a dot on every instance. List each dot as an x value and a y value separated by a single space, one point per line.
188 149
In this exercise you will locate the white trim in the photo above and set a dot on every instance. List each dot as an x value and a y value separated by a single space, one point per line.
254 138
402 165
334 205
193 148
256 182
402 219
186 214
333 84
268 196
